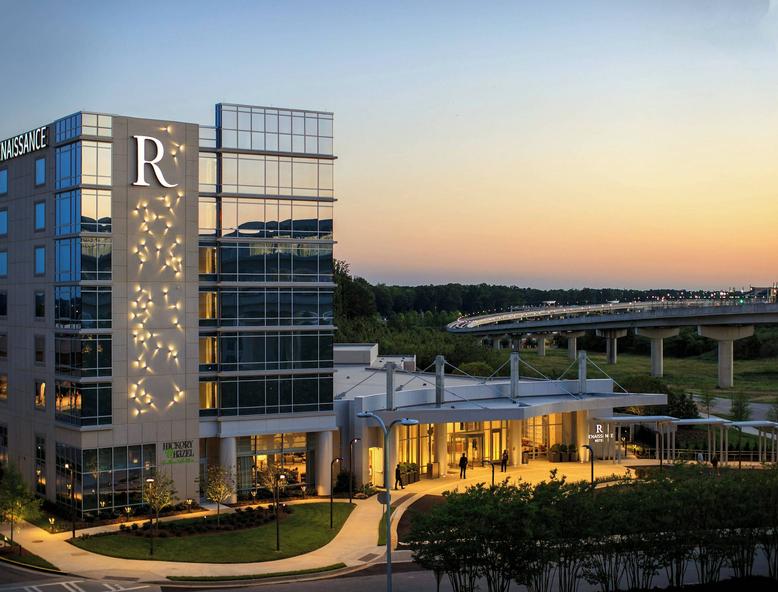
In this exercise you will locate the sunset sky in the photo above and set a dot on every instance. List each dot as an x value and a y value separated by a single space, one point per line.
553 144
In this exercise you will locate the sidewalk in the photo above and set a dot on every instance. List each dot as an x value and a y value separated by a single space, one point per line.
354 545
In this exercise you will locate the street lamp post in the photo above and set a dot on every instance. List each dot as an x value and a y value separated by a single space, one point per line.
591 458
387 484
351 467
332 485
150 480
72 487
279 477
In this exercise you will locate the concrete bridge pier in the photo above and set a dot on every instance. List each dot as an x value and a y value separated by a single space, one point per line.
612 336
572 343
726 336
540 338
657 335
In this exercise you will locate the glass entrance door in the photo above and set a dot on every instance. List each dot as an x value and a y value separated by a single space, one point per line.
496 445
471 444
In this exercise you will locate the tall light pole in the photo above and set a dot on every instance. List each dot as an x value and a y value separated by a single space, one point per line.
150 482
72 487
591 459
351 466
387 485
332 485
279 477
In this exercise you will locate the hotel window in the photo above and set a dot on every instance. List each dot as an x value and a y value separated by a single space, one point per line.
209 352
40 260
93 124
39 342
67 210
96 163
83 355
209 307
67 165
3 303
207 136
40 215
3 181
78 307
3 387
207 260
95 210
40 464
3 222
207 216
3 263
40 304
88 404
95 258
67 128
207 172
40 172
273 175
40 395
3 346
209 398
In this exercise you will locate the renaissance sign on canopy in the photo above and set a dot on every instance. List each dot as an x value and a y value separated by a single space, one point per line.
36 139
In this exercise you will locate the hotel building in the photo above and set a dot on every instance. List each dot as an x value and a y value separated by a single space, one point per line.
166 301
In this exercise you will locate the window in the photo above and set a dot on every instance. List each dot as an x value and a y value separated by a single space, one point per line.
272 350
207 260
207 216
269 218
3 222
209 397
3 346
83 355
207 172
77 307
209 306
40 215
88 404
3 263
3 303
272 175
40 349
83 162
40 171
3 444
209 352
68 165
3 181
40 464
40 395
40 304
87 258
3 387
95 211
93 124
40 260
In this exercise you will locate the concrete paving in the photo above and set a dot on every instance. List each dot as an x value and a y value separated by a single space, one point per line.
355 545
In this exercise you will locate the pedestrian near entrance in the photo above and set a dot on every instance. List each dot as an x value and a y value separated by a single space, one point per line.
504 461
398 477
463 466
715 463
700 458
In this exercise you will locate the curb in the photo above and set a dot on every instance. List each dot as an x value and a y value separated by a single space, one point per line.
33 567
267 581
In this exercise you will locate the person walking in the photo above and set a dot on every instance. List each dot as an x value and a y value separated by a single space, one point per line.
715 463
504 461
398 477
463 466
700 458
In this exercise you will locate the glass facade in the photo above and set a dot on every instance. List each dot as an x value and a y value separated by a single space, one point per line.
83 404
290 453
265 224
82 355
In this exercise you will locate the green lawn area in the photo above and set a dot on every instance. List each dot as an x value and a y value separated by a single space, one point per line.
305 529
757 379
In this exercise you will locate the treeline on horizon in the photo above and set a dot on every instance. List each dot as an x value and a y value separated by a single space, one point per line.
412 319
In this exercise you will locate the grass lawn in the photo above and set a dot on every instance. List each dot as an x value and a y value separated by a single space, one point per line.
305 529
26 558
757 379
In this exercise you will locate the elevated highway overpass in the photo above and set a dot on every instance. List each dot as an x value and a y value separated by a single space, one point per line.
721 320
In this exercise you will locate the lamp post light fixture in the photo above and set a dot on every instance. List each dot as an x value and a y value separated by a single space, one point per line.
279 477
387 484
189 501
71 485
332 484
591 458
150 480
51 523
351 467
128 512
302 488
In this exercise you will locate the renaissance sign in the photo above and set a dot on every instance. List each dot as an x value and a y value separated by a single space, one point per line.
36 139
178 452
140 179
599 435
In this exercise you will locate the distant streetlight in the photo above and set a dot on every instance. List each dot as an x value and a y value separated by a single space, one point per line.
72 489
279 477
351 466
387 484
591 458
150 481
332 485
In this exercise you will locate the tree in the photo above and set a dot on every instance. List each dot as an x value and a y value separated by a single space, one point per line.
219 487
772 412
17 501
159 494
707 400
740 410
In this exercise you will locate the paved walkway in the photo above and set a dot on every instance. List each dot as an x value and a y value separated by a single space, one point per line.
355 545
